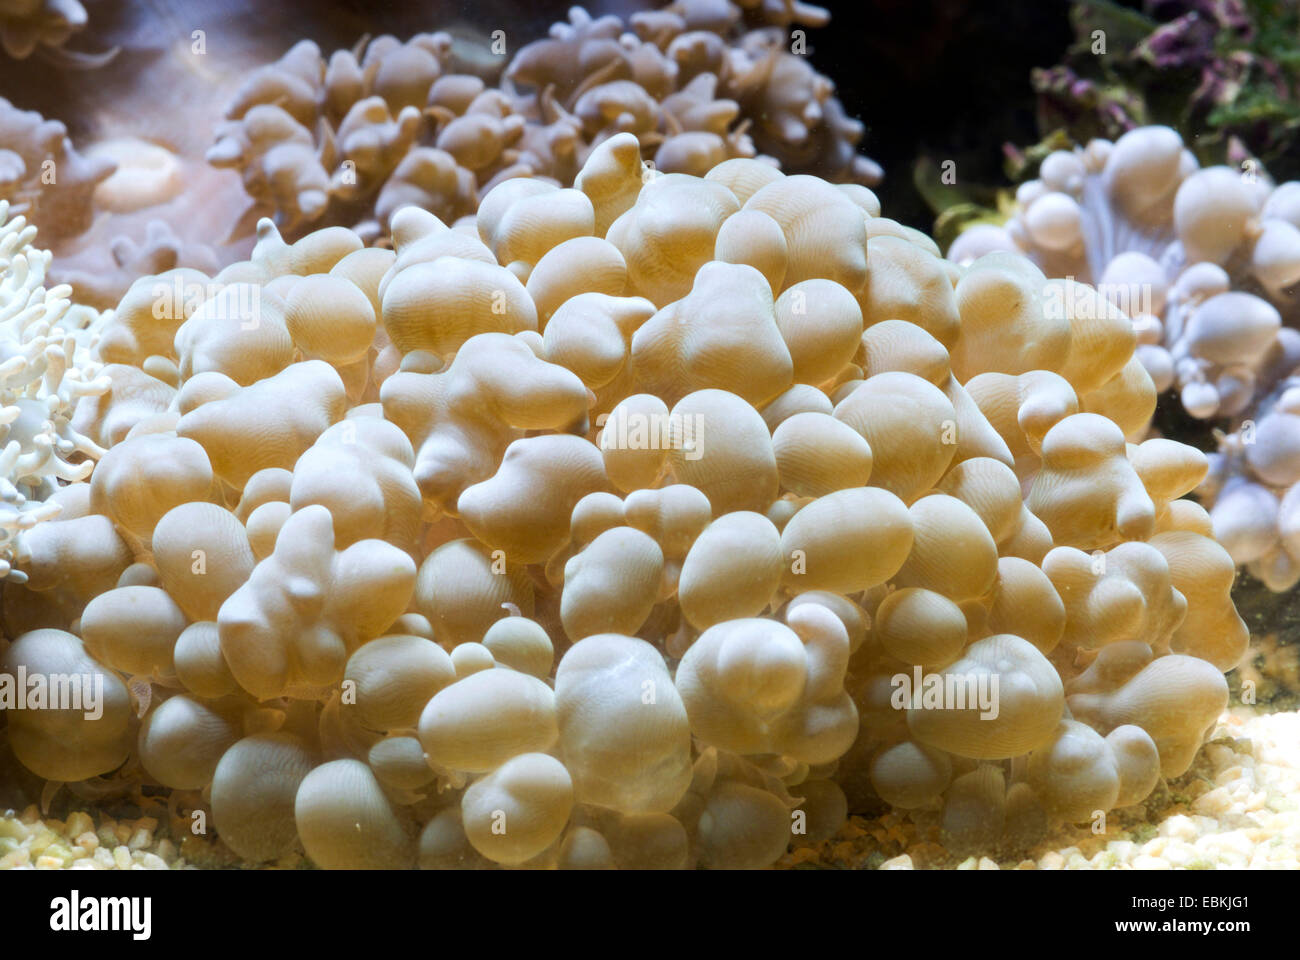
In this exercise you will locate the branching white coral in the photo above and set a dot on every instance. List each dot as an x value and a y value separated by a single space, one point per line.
45 370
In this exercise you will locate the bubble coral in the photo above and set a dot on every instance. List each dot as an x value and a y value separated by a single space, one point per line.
352 137
621 586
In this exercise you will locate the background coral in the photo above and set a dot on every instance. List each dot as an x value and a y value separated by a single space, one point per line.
393 122
43 176
1206 263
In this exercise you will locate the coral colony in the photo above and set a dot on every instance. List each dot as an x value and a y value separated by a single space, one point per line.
569 478
1205 261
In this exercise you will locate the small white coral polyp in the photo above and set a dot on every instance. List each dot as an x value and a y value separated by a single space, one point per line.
1206 264
668 561
45 370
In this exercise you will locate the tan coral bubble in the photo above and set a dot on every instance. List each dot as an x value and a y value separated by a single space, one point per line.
134 629
305 608
470 658
182 741
799 398
754 238
896 345
758 686
952 551
724 451
669 233
611 179
992 490
522 219
1202 571
443 412
528 799
624 734
1020 717
732 570
821 324
286 412
1022 409
634 442
1075 774
1176 699
1004 328
612 584
203 555
906 283
463 587
591 335
1138 762
911 775
139 480
366 269
1026 600
199 663
253 790
846 541
911 428
1101 336
398 761
330 318
481 721
723 334
444 846
523 509
1124 594
577 266
67 742
1087 492
438 306
674 515
1128 399
360 469
824 230
264 525
744 176
239 331
521 644
855 619
919 626
346 822
392 678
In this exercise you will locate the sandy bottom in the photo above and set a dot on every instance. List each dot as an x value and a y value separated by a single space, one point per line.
1238 806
